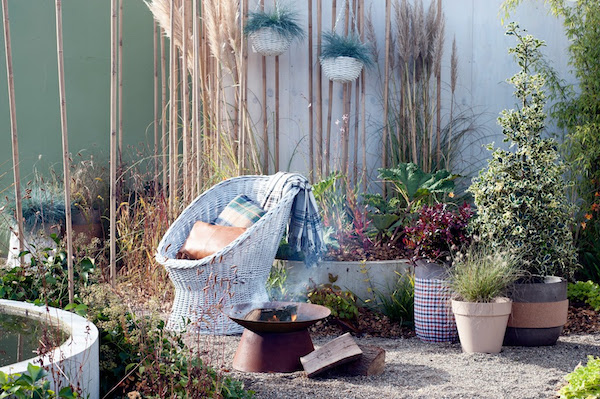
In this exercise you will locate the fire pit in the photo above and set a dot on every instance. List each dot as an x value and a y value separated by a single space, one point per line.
275 336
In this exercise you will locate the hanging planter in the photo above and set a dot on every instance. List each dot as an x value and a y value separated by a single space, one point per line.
343 57
271 33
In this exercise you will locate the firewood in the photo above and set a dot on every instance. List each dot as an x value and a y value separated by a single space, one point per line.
341 350
372 362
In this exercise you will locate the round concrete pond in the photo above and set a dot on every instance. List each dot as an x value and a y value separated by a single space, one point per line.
75 361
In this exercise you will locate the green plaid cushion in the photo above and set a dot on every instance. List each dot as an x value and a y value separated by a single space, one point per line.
240 212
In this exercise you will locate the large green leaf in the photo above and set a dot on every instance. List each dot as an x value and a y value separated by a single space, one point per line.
413 183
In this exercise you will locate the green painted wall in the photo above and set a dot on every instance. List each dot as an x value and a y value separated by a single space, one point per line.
86 30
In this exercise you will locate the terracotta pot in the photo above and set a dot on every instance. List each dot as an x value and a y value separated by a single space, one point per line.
539 312
87 222
434 321
481 326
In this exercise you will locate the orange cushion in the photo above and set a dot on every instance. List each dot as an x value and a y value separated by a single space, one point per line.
206 239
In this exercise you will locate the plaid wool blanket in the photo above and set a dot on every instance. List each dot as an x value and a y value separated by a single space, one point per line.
304 230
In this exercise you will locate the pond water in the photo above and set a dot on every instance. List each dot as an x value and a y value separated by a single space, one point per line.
22 338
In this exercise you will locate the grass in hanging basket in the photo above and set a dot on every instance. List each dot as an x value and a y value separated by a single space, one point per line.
281 20
335 45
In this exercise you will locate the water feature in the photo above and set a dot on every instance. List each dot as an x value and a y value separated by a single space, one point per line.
71 341
24 338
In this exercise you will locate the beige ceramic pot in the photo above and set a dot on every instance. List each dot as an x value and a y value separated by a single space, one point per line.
481 326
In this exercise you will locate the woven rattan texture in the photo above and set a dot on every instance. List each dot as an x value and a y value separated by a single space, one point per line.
341 69
205 289
269 42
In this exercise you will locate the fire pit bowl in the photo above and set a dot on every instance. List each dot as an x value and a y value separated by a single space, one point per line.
269 346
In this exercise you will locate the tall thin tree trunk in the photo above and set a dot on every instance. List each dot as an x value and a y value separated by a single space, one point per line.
13 124
113 143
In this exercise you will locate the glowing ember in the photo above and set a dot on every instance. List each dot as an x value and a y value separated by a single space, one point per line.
286 313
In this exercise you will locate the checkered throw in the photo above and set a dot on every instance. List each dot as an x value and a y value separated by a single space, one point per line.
434 321
304 229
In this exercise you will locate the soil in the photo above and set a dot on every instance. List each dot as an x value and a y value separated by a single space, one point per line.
582 319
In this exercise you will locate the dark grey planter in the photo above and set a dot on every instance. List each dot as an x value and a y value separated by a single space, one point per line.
539 312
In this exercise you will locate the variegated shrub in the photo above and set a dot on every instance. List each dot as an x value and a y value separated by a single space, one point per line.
520 197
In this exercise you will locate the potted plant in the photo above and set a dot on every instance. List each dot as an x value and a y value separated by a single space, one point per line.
272 31
521 203
343 57
479 280
431 238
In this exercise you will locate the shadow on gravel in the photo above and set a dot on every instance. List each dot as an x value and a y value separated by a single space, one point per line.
564 356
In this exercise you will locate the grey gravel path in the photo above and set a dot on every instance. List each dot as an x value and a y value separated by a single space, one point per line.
418 370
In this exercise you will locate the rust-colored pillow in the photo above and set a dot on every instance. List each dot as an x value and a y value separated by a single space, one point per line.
206 239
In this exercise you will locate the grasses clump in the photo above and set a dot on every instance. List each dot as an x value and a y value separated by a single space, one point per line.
399 303
335 45
483 274
282 20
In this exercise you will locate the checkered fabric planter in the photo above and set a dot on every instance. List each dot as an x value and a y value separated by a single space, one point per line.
434 320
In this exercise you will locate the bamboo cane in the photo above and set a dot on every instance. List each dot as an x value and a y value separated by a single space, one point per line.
363 127
196 90
156 105
386 83
319 132
330 105
13 124
243 90
185 135
65 147
311 149
173 113
120 78
357 13
438 76
163 107
277 113
346 101
113 143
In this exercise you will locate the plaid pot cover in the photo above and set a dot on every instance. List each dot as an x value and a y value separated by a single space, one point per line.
434 320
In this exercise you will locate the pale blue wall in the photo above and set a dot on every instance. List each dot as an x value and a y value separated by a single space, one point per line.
86 26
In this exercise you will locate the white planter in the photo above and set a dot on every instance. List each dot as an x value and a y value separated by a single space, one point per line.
481 326
269 42
357 277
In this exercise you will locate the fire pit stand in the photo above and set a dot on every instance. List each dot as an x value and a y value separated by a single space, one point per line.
275 346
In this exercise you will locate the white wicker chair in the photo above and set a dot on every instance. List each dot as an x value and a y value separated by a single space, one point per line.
238 273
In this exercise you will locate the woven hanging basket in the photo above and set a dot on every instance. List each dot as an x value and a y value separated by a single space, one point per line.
341 69
267 41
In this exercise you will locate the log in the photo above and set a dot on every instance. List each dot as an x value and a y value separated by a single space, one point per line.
372 362
341 350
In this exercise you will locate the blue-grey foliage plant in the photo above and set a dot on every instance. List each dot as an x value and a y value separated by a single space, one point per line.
521 196
281 19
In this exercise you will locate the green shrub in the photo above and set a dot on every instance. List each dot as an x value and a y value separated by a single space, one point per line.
588 292
341 303
583 382
31 384
520 197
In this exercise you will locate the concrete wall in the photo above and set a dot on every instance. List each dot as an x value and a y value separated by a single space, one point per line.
483 62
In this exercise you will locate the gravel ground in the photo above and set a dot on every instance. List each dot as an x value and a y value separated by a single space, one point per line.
418 370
